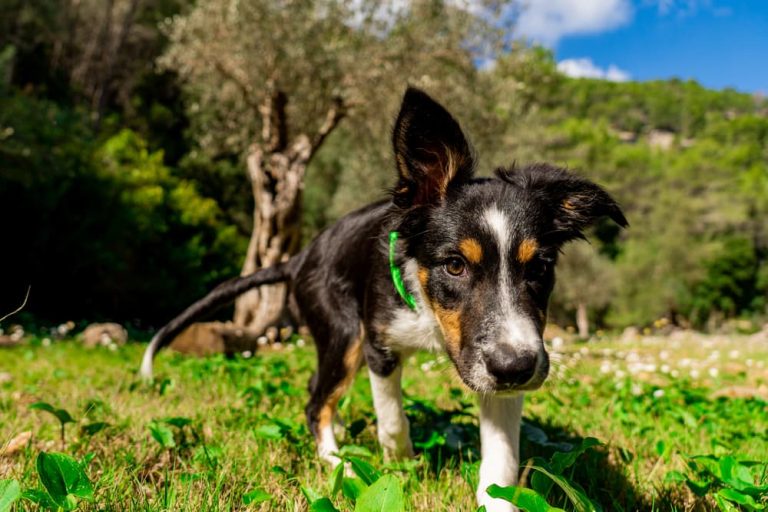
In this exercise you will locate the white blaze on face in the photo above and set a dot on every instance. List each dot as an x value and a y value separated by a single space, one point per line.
516 329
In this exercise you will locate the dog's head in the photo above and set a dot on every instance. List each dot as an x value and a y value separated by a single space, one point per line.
482 252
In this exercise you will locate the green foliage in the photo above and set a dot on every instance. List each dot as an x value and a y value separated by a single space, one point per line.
107 213
256 496
646 421
526 499
125 180
9 493
545 475
63 479
60 414
732 482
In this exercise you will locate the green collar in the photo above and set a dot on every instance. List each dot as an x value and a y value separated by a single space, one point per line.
397 276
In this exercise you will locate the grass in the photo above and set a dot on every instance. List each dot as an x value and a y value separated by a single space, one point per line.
216 433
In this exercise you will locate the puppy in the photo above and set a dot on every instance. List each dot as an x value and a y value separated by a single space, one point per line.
449 263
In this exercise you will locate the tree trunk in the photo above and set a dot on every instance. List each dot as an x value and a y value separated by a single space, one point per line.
276 183
582 320
276 170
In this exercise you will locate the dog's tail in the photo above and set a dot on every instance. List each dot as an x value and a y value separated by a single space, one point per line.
220 296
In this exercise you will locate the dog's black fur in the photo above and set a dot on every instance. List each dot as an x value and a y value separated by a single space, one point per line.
478 254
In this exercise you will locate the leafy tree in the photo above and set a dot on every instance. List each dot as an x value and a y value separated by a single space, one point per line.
273 81
586 284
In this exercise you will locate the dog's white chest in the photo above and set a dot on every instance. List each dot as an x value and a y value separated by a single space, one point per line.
414 330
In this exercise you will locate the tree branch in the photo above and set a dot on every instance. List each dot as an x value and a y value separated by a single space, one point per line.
333 117
232 76
274 125
26 297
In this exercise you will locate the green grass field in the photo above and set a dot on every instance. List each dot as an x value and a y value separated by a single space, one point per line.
653 404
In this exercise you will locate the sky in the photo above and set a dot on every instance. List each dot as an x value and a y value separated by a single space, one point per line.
719 43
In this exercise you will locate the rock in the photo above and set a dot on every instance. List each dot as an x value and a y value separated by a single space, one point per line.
631 333
209 338
742 392
62 330
760 336
7 341
15 336
104 335
17 443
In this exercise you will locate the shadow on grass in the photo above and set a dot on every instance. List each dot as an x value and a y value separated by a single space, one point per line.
450 439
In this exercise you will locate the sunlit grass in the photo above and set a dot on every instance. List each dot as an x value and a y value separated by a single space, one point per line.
640 398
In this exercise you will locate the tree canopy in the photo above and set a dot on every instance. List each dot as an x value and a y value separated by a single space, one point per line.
123 191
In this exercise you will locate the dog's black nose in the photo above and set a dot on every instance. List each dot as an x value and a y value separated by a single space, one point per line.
510 367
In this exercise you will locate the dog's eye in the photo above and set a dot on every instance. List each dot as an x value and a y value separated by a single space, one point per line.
536 269
455 266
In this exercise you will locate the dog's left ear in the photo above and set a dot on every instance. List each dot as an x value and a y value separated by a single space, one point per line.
574 203
431 151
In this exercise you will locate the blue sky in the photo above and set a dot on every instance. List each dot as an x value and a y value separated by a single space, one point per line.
720 43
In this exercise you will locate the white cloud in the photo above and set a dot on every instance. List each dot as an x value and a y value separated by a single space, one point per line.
547 21
585 68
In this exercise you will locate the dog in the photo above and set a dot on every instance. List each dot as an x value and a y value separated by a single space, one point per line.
451 263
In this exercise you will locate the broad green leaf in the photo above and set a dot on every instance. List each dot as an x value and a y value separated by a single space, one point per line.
354 450
725 505
269 432
742 499
576 496
385 495
178 421
256 496
162 434
64 479
561 461
674 477
61 414
351 488
364 470
541 483
336 477
9 493
94 428
435 439
699 488
738 476
39 497
311 494
322 505
526 499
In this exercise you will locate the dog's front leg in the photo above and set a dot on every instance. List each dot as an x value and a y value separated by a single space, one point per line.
500 447
392 425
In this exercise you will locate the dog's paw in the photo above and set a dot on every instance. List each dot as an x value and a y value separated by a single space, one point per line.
397 454
397 449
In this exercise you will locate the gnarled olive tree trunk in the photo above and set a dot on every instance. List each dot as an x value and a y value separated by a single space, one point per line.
276 171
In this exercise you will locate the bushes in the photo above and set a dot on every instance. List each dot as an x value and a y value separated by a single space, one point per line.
101 228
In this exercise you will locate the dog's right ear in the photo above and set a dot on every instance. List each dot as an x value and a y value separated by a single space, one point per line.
431 151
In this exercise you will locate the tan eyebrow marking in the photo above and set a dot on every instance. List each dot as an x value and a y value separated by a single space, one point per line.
526 250
471 250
